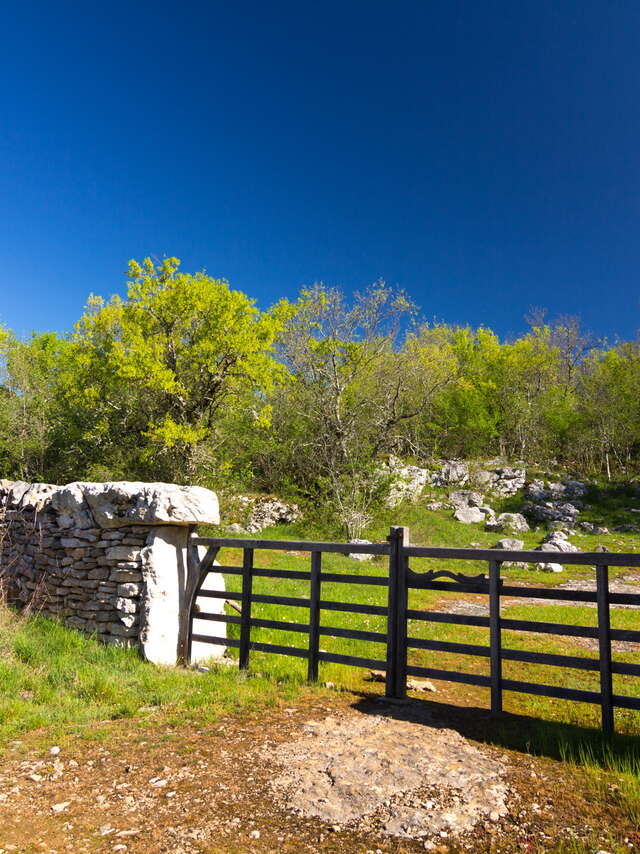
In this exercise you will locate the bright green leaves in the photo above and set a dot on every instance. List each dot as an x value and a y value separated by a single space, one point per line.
158 365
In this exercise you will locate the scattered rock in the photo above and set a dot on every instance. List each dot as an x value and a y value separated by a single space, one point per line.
508 522
590 528
549 567
265 511
468 515
465 498
360 555
557 542
453 471
422 685
407 481
61 807
510 544
435 505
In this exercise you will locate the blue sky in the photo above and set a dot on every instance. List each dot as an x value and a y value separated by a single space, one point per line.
485 156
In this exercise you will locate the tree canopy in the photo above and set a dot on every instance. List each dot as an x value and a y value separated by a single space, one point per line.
186 379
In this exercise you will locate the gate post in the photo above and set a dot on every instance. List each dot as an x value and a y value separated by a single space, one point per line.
495 636
604 641
396 679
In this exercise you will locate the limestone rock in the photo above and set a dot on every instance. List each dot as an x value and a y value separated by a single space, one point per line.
552 511
508 522
501 480
510 544
123 553
360 555
541 491
266 511
453 471
549 567
590 528
557 542
407 481
465 498
536 491
468 515
69 504
130 503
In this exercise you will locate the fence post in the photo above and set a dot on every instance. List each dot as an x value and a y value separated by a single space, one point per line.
604 642
245 617
314 617
396 680
495 636
192 577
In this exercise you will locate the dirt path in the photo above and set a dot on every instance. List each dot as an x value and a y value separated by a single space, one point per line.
145 786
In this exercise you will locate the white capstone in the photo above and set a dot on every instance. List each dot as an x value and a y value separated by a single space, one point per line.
129 503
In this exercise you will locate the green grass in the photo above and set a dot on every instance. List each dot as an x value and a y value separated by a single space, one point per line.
55 678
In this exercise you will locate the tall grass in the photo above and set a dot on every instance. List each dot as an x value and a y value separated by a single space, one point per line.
56 678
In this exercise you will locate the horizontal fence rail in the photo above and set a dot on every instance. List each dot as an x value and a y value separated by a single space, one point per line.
396 643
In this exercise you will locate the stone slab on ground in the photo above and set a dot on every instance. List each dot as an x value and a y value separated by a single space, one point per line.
396 776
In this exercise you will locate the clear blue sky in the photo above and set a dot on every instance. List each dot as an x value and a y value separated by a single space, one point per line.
483 155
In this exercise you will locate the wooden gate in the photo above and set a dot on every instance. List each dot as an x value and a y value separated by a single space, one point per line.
396 642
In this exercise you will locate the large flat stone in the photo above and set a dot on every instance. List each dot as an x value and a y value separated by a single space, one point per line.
130 503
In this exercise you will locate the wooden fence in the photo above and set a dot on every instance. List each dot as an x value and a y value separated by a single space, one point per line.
400 580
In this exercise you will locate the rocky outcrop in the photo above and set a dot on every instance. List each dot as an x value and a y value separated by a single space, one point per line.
466 498
557 542
109 559
566 490
503 481
406 482
264 511
452 472
508 522
552 511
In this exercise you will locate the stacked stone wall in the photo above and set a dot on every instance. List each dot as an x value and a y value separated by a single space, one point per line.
85 553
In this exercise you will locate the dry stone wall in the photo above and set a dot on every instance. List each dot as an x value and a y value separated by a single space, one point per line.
108 559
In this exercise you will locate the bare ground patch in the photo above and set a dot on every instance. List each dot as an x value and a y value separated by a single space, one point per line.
145 786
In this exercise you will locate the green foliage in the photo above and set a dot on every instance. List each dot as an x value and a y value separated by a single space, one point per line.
148 375
185 379
354 378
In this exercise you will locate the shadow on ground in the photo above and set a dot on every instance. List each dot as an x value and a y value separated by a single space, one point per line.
511 731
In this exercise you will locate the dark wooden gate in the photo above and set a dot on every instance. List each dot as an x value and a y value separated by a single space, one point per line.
400 580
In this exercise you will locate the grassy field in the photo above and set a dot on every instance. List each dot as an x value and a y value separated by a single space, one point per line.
59 683
56 680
